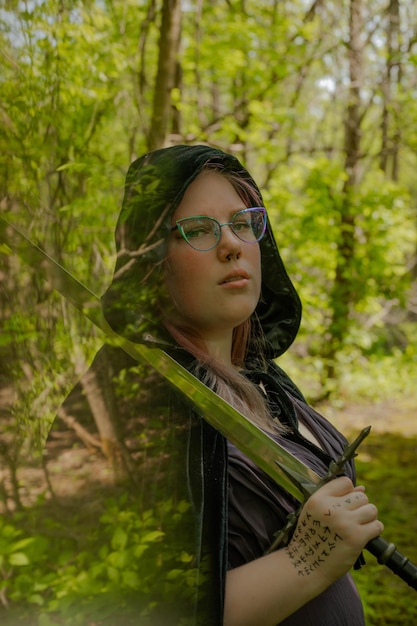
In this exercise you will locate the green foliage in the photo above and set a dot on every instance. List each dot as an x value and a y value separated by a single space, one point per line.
372 377
14 551
77 95
122 566
19 559
122 556
270 85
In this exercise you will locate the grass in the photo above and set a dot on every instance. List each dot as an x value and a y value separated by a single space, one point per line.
386 465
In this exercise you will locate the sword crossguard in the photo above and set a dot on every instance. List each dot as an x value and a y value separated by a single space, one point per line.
349 452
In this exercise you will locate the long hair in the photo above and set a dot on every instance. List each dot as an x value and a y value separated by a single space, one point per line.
226 381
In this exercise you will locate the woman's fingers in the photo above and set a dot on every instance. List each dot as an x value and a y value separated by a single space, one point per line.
347 508
337 487
354 500
336 522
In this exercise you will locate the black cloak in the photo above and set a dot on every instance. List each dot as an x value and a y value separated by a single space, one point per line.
155 185
174 473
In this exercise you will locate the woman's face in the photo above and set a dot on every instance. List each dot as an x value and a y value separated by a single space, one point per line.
213 291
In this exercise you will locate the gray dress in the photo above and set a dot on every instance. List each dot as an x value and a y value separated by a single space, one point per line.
258 508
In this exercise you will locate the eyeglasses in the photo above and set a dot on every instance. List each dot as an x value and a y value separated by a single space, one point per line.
204 233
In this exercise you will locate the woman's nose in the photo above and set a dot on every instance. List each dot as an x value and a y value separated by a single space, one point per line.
229 245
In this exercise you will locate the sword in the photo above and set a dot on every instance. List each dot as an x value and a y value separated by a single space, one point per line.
285 469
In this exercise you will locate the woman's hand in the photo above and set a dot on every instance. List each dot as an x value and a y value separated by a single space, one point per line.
336 522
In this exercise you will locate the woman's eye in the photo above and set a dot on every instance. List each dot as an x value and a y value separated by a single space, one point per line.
197 232
242 226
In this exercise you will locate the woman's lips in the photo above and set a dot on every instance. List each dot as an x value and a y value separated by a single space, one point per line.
238 278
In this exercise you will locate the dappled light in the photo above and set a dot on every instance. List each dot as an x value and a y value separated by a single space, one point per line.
317 99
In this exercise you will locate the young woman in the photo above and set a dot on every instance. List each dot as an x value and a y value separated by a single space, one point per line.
198 273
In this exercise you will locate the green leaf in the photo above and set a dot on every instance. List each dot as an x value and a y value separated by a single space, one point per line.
131 579
174 574
152 536
22 543
185 557
36 598
18 559
119 539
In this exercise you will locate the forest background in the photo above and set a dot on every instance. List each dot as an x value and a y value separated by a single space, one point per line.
318 99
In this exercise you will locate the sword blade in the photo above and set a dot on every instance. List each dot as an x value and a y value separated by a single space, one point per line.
262 449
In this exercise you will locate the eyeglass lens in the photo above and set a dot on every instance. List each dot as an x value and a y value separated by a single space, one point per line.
203 233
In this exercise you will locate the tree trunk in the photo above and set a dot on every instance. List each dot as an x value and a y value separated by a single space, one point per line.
97 387
165 77
343 290
390 142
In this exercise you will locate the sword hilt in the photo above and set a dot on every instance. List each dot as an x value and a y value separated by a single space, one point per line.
387 554
308 487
